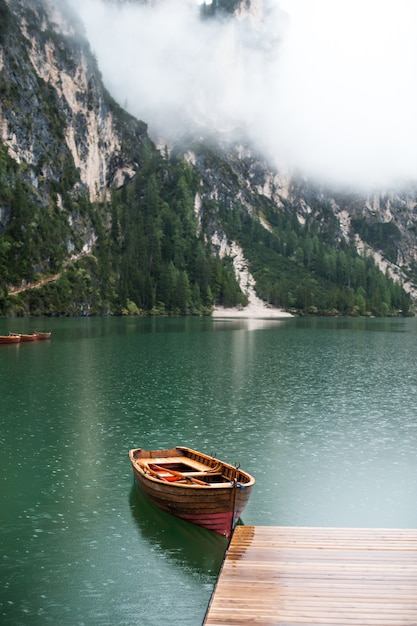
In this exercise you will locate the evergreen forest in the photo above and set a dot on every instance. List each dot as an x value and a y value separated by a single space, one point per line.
152 256
149 255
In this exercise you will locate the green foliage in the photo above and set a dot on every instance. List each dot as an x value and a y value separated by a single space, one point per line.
383 236
303 273
4 22
151 255
159 260
34 239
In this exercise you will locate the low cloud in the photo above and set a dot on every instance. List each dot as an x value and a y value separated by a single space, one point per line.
327 88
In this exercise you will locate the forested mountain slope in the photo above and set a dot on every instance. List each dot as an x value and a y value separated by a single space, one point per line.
86 197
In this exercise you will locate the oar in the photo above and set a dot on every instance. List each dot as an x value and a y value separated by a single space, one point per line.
146 468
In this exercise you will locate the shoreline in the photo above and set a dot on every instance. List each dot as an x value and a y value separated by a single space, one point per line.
250 312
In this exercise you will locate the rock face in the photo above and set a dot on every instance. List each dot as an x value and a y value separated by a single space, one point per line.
382 225
55 115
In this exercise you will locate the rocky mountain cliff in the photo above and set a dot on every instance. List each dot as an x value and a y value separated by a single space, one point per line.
79 175
54 107
381 225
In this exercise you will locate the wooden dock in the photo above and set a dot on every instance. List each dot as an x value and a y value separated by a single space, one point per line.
317 576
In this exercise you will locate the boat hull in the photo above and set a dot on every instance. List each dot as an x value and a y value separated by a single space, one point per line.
216 507
28 337
9 339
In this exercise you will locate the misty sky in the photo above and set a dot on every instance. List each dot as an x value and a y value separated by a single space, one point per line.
327 87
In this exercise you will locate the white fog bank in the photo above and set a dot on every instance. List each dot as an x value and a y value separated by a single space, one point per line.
323 86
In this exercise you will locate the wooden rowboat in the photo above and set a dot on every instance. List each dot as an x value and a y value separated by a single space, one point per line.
10 338
28 337
42 335
193 486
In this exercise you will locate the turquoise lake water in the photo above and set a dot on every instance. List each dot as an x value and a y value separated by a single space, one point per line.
322 412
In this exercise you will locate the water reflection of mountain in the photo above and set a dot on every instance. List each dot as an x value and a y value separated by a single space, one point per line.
192 546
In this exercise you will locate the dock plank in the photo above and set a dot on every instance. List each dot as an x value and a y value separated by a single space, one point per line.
296 576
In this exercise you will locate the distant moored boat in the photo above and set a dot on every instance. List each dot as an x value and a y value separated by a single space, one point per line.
10 338
28 337
42 335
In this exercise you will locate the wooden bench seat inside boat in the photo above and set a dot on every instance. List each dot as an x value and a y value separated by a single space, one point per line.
207 476
179 464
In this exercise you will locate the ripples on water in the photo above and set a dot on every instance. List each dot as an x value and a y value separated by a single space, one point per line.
322 412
